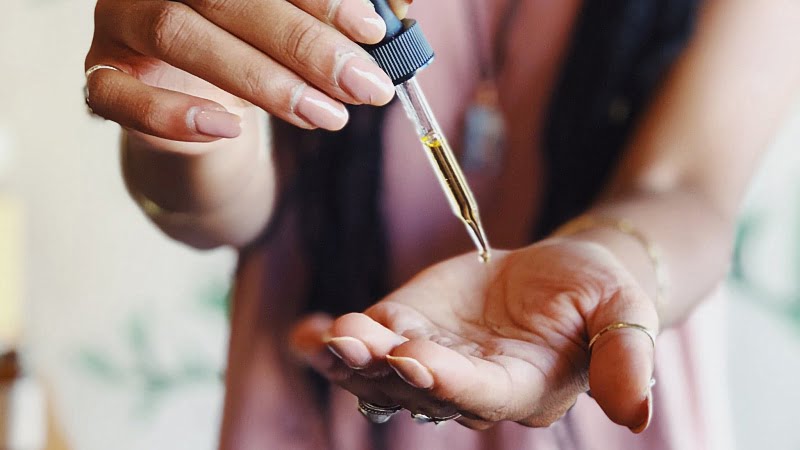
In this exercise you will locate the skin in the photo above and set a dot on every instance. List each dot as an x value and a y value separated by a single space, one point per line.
518 327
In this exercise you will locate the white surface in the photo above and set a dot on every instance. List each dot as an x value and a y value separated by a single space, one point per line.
5 154
765 362
22 406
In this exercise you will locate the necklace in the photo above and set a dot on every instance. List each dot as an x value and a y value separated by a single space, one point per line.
484 137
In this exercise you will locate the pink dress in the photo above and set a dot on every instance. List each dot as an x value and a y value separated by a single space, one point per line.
269 404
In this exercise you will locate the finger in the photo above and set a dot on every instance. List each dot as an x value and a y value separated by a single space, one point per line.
307 343
179 36
487 390
120 97
474 424
361 342
308 336
400 7
355 18
310 48
621 365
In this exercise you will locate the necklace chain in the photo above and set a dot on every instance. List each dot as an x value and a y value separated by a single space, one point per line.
492 64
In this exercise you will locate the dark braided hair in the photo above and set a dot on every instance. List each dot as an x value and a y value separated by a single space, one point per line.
336 190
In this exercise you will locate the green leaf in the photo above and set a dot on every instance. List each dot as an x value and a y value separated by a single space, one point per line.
99 366
137 337
216 299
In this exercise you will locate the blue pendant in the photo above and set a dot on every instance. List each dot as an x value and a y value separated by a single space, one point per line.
484 144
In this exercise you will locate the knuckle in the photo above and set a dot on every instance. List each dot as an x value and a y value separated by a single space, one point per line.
303 37
147 114
102 94
167 29
212 5
254 81
97 94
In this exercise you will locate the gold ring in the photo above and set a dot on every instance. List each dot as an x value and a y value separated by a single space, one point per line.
619 326
375 413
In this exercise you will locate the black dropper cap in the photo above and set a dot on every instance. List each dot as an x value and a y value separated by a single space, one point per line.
404 50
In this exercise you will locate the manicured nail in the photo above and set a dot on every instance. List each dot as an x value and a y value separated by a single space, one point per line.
317 109
358 19
352 351
411 371
646 422
400 7
363 80
212 122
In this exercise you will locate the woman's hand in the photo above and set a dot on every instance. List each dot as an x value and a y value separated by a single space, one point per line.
183 63
504 341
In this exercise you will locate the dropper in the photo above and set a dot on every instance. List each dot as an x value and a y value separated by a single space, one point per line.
401 54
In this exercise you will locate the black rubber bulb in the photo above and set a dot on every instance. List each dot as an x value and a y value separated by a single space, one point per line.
404 50
393 25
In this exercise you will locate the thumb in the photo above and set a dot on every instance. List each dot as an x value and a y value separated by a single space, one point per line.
307 341
622 357
400 7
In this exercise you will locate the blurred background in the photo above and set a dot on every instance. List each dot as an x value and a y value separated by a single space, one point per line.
126 331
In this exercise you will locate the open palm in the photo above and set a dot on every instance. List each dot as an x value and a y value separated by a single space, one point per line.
503 341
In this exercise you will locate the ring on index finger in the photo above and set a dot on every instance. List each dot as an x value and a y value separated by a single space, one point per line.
88 74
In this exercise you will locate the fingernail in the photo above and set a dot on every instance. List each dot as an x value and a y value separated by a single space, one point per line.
648 418
400 7
358 19
317 109
352 351
363 80
212 122
411 371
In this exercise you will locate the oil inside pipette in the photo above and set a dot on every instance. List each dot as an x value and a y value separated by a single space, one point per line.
461 199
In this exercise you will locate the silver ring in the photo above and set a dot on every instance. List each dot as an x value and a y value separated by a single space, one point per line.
424 418
97 67
89 73
375 413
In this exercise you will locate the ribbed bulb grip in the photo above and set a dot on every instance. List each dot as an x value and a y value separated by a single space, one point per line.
405 54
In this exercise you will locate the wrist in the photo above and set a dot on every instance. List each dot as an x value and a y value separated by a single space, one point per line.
640 255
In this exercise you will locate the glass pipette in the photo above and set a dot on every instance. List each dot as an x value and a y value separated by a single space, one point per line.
402 53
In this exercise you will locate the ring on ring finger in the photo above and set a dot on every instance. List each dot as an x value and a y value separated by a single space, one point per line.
436 420
375 413
88 74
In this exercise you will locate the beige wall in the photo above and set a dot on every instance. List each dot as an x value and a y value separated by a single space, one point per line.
94 265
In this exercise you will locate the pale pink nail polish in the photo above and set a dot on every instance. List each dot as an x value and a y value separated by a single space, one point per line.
212 122
365 81
411 371
351 351
358 19
320 111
